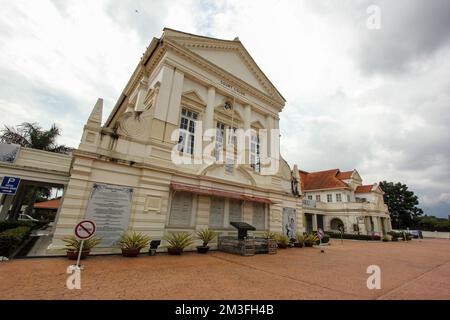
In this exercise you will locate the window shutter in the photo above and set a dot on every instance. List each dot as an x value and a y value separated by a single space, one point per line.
259 217
217 212
235 210
181 210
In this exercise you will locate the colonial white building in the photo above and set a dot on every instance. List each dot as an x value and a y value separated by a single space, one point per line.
332 198
123 175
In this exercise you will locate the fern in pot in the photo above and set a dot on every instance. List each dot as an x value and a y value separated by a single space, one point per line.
73 246
206 236
300 240
283 241
177 242
132 243
311 239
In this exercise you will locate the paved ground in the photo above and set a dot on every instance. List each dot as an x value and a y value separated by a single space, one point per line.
414 270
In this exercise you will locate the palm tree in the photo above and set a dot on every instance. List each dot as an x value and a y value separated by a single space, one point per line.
31 135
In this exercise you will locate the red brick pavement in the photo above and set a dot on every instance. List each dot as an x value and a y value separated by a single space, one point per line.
414 270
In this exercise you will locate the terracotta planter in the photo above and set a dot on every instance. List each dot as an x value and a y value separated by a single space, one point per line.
73 254
202 249
282 246
308 244
175 251
298 244
131 253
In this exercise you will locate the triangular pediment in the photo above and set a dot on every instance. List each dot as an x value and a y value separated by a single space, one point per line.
230 56
232 62
194 96
356 175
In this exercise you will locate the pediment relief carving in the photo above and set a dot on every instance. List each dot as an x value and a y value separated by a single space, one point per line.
239 174
135 124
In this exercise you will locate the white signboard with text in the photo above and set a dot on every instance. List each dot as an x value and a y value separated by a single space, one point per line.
110 207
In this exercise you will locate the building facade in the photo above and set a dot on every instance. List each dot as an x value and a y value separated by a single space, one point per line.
123 173
333 198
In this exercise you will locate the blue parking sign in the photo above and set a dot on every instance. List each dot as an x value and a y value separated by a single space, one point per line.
9 185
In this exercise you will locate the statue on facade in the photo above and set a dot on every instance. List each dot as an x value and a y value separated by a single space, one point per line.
295 181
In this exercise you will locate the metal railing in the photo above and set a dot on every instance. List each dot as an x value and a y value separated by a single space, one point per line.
309 203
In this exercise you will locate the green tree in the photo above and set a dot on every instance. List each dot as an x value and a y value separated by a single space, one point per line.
402 204
432 223
31 135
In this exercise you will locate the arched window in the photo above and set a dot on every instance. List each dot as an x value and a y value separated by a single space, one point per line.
335 224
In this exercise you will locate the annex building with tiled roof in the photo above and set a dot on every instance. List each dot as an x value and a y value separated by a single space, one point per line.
332 198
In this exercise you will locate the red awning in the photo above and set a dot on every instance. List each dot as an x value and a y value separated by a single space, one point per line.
50 204
216 193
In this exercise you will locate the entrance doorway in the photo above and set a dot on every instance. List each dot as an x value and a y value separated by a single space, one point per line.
320 224
335 224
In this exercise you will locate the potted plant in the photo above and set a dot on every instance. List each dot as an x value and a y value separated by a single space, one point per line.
283 241
270 235
131 243
177 242
206 235
385 238
300 240
73 247
310 240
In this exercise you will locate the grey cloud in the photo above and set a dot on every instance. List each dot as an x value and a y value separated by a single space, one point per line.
147 21
53 105
410 30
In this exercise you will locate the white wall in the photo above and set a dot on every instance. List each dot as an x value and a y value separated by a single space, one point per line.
436 234
323 195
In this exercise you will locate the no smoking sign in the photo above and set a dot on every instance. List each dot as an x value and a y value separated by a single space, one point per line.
85 229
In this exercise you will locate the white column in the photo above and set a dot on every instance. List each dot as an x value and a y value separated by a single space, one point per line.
173 111
376 226
6 206
247 116
245 156
269 127
163 98
314 222
209 114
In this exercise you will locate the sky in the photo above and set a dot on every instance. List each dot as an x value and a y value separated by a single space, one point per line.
375 100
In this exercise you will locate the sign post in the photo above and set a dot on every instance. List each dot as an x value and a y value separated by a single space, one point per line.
320 235
9 185
84 230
